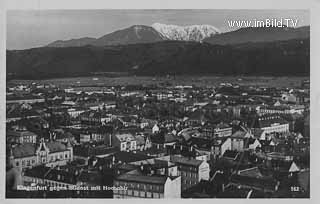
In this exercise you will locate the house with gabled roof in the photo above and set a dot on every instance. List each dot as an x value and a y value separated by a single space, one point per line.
51 153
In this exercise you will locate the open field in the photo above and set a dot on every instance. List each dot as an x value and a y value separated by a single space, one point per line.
180 80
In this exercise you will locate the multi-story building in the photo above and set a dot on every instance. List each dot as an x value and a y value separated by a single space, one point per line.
21 136
125 142
47 153
219 130
282 109
42 175
92 135
271 124
220 145
147 186
192 171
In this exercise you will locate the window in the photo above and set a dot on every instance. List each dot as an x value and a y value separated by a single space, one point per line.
156 195
136 193
142 194
17 163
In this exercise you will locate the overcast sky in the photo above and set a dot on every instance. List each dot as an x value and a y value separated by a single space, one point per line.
34 28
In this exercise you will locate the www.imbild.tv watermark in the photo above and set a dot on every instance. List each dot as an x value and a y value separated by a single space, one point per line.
268 22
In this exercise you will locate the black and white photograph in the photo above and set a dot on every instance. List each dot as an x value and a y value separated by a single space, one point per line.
157 103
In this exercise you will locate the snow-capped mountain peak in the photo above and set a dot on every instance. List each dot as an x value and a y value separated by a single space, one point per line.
186 33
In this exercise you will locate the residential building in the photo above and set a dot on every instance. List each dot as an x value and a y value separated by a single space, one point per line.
21 136
48 153
125 142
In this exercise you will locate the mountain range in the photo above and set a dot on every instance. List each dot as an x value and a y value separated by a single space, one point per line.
185 33
259 34
166 49
198 33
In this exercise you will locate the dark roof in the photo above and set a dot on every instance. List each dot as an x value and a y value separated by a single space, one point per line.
52 174
234 192
90 177
130 156
186 161
24 150
89 150
56 146
239 134
251 172
231 154
143 178
304 179
267 121
262 183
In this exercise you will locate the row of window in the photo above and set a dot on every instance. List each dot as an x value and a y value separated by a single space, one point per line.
140 186
29 162
190 175
140 194
57 157
26 162
189 182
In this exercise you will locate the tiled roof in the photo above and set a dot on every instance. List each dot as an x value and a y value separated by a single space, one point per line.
140 140
255 182
251 172
142 178
130 157
56 147
239 134
125 137
267 121
186 161
24 150
231 154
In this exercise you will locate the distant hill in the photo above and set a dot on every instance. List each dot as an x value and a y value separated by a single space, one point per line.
72 43
290 57
261 34
132 35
